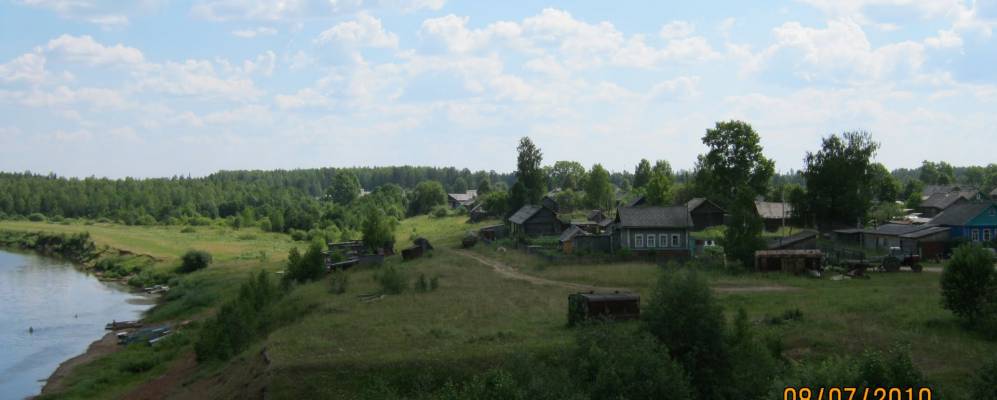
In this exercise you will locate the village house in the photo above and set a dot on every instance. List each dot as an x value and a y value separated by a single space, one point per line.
799 241
705 213
939 202
931 190
929 241
993 194
973 221
465 199
774 214
662 231
549 202
534 220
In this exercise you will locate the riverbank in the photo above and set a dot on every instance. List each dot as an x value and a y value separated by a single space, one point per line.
99 348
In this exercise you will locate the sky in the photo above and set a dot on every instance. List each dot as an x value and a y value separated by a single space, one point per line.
151 88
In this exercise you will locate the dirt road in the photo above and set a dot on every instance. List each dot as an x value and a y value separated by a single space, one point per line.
510 272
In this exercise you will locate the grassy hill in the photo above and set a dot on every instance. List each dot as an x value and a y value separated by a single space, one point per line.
342 346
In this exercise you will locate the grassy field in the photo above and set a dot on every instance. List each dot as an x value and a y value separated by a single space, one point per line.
345 347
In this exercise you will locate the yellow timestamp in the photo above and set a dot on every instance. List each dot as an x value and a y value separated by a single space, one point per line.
852 393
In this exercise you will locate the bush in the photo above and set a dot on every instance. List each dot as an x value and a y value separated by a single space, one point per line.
391 279
194 260
241 321
298 235
968 283
439 212
339 282
308 267
422 284
984 386
188 229
685 317
145 220
36 217
872 369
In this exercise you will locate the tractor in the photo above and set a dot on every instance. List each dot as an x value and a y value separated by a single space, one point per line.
897 258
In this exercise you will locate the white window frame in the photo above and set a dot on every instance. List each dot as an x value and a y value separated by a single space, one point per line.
663 240
986 235
638 241
975 235
651 242
676 240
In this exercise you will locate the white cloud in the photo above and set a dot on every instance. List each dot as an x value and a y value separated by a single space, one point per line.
224 10
197 78
81 135
677 30
252 33
945 39
675 89
84 49
304 98
364 31
28 67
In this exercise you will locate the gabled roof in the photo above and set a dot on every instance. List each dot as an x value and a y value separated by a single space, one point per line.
930 190
525 213
654 217
896 229
463 197
695 203
993 193
925 232
961 214
779 243
942 201
640 200
773 210
571 232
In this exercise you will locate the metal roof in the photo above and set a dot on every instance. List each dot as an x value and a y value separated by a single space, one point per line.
925 232
776 243
654 217
571 232
896 229
773 210
961 214
946 200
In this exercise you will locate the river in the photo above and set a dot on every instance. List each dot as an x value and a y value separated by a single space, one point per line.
50 312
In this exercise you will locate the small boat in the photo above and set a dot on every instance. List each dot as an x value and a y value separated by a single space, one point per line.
119 325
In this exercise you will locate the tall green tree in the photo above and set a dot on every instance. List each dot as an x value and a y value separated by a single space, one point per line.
662 167
598 189
743 236
838 177
659 190
734 160
459 186
425 196
378 230
484 186
567 175
886 187
530 177
642 174
345 188
940 173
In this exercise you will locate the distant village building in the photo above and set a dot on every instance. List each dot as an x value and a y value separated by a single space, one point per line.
993 194
465 199
775 214
705 213
928 241
549 202
661 231
534 220
938 202
800 241
973 221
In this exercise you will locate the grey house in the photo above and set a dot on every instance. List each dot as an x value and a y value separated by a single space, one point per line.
532 220
705 213
939 202
660 231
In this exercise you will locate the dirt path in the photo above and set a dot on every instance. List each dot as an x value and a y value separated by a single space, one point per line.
510 272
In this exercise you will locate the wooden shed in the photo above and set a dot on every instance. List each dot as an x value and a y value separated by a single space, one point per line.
533 220
791 261
607 306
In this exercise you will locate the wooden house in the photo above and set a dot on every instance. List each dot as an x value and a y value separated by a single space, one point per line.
662 231
549 202
775 214
973 221
465 199
705 213
993 194
533 220
929 243
939 202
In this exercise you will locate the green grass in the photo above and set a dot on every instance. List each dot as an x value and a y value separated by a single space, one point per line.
345 347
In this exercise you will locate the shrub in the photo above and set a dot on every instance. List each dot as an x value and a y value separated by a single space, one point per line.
307 267
392 280
339 282
241 321
422 284
146 220
188 229
439 212
685 317
298 235
984 386
968 283
246 236
36 217
872 369
434 283
194 260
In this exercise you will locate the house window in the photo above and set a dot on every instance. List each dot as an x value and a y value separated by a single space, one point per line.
663 240
650 242
638 241
675 240
976 235
986 235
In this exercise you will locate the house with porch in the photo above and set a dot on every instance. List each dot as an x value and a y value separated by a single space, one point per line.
656 231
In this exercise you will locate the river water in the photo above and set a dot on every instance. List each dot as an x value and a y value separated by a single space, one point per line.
65 310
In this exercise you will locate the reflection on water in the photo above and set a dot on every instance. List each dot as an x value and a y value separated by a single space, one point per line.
50 312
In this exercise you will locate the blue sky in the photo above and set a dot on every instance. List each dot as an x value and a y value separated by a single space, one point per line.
158 87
